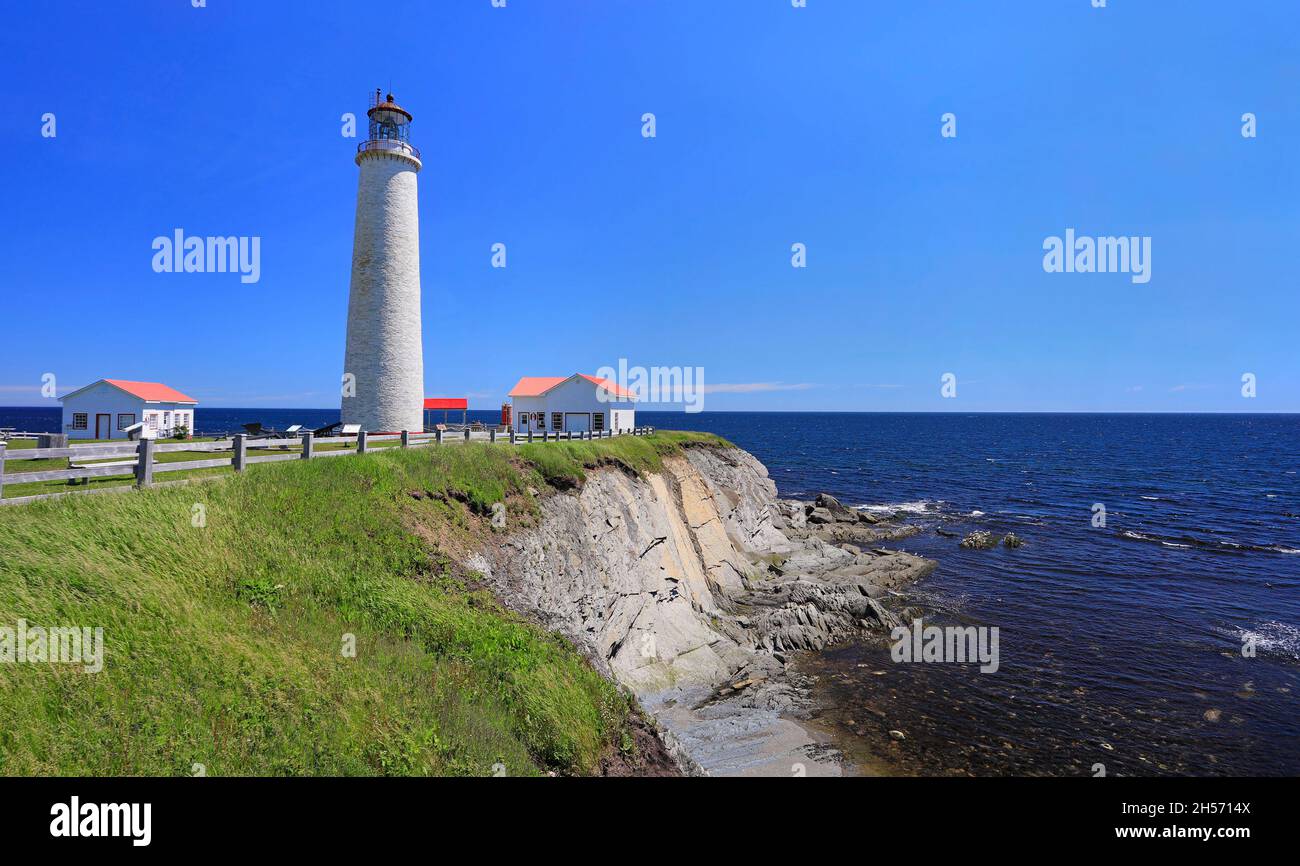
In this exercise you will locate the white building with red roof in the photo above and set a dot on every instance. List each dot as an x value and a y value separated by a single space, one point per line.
571 404
105 409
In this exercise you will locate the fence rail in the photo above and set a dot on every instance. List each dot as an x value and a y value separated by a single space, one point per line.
139 459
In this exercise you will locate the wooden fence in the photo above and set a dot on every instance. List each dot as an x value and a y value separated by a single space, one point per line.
140 458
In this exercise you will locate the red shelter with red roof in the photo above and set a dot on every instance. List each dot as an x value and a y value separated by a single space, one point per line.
446 405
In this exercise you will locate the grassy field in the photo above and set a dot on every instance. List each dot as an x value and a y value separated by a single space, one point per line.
227 606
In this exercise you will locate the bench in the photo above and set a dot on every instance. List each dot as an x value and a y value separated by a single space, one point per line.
95 465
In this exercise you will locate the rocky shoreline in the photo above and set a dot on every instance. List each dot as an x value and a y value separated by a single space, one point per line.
826 590
696 588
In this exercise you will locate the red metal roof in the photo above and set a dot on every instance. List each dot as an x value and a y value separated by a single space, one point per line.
153 391
611 386
536 386
446 403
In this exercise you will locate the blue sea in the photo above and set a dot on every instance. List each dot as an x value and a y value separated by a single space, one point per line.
1121 646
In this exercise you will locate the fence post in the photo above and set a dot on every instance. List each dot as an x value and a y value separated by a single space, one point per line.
240 458
492 435
545 434
361 442
406 438
512 435
144 463
466 434
437 437
2 470
307 440
530 435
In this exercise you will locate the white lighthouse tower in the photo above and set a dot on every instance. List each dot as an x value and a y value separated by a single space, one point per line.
383 367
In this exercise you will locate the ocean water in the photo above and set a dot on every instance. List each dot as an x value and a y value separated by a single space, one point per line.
1120 645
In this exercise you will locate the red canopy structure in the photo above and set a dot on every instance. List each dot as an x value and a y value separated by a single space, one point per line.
446 404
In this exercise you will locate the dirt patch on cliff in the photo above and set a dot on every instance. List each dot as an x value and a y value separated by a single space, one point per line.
448 522
642 752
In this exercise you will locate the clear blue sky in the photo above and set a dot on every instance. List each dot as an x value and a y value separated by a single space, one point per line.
776 125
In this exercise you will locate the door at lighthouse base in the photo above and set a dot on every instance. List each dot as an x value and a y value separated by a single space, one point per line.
577 422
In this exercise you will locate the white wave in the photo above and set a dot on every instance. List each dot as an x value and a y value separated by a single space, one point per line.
1273 637
921 506
977 514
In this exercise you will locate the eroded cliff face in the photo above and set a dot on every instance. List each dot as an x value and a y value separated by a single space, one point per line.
697 575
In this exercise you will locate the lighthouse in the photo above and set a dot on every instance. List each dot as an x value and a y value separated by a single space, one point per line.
383 366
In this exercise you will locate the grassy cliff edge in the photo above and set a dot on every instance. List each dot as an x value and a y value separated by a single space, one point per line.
229 607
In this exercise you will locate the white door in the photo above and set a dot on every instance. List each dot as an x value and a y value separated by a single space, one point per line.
577 422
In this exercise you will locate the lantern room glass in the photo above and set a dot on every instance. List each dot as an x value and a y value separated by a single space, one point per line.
389 130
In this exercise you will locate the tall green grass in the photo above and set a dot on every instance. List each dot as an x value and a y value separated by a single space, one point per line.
224 642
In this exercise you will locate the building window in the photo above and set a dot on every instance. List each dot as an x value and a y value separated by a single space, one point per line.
80 420
152 419
125 420
598 421
557 420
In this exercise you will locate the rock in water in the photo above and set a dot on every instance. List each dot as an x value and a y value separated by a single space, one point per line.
980 540
1012 540
825 500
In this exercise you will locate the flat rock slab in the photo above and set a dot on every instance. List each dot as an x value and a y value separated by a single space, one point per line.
728 739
